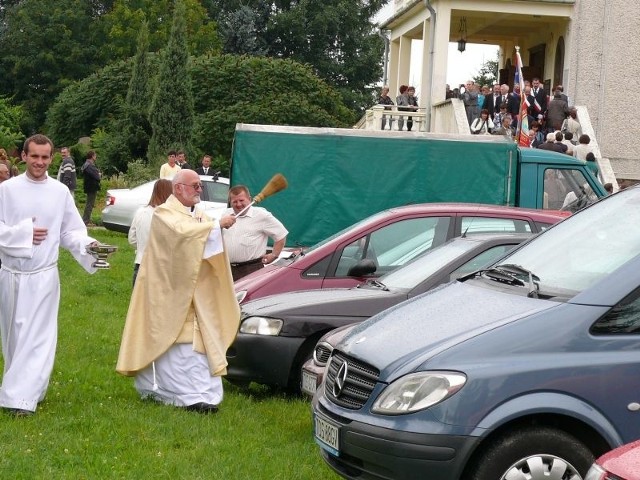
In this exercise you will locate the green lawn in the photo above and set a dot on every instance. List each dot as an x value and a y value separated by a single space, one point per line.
92 425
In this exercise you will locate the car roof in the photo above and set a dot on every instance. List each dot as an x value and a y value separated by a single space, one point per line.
476 208
149 185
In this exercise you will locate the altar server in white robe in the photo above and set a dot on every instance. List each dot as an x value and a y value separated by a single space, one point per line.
37 216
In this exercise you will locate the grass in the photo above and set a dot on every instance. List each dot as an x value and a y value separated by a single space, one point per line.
93 425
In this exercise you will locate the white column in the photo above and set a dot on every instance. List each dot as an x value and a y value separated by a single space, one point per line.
440 54
394 55
404 64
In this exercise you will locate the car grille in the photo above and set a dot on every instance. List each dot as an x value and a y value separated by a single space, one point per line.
322 353
350 389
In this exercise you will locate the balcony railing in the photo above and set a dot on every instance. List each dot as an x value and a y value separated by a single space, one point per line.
388 117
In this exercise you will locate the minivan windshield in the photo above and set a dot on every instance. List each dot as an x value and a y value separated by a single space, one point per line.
582 249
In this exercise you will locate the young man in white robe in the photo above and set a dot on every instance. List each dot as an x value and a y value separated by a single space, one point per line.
37 217
183 314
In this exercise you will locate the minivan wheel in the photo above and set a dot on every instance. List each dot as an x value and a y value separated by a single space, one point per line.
539 453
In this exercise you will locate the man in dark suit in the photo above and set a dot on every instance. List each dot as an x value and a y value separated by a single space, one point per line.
206 168
513 101
492 102
537 90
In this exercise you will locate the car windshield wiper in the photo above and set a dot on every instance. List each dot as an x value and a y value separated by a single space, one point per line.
377 284
534 286
499 274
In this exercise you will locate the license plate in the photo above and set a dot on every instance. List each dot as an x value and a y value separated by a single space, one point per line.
327 435
309 382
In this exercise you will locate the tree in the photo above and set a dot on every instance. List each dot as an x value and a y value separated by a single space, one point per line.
171 114
10 117
89 104
488 73
268 91
122 24
336 37
46 46
265 91
240 30
136 126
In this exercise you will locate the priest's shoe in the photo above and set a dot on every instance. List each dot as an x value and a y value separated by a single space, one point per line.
202 407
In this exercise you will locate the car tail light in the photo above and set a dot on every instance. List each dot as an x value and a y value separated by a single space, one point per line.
110 200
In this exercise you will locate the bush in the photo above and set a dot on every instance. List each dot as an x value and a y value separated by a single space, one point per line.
260 90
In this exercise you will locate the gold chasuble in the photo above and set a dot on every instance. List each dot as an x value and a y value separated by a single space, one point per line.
179 297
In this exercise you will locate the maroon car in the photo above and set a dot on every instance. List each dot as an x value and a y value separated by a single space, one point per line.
622 463
384 242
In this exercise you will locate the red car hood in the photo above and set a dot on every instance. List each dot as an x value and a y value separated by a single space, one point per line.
623 461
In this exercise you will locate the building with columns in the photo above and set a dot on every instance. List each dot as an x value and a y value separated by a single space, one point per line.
588 46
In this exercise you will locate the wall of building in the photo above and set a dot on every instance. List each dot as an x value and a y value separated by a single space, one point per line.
603 69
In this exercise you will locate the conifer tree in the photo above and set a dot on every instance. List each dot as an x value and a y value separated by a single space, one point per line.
137 128
172 111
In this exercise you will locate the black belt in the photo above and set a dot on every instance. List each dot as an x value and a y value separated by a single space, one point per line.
248 262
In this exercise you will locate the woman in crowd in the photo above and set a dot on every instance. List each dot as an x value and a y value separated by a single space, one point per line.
141 224
482 124
385 99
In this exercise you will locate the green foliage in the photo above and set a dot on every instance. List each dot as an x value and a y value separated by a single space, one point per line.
45 45
10 117
241 30
265 91
262 90
113 157
130 129
79 153
335 37
89 104
488 73
221 164
139 172
123 23
172 115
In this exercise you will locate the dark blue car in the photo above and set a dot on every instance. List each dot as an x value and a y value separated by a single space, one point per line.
526 370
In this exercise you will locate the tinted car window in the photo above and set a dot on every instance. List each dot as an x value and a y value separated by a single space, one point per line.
566 189
215 192
318 269
472 225
482 260
574 255
542 226
427 265
624 318
395 244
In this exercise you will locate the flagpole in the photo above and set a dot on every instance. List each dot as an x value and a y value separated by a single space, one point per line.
523 119
520 83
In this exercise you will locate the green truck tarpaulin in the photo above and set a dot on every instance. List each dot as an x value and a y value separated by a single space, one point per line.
338 176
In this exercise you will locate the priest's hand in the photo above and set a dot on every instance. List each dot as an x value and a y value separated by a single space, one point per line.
39 234
227 221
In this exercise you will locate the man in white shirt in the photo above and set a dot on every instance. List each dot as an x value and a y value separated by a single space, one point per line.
38 216
246 241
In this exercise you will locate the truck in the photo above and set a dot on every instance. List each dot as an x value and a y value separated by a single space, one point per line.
337 177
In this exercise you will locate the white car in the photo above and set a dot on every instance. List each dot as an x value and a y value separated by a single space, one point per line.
122 203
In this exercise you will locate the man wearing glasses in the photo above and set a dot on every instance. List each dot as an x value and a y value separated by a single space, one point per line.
183 313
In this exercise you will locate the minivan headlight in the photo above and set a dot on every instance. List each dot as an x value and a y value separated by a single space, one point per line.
261 326
240 296
418 391
596 473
